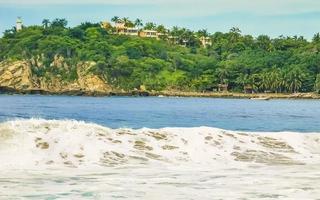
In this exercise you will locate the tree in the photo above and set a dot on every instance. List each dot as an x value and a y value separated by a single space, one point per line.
115 19
317 84
265 81
150 26
175 31
283 84
275 79
223 74
62 23
77 33
9 33
161 29
235 30
127 22
203 33
93 33
86 25
244 80
264 42
45 23
138 22
316 38
282 64
184 37
295 78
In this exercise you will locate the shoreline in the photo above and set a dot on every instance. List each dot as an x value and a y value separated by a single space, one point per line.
237 95
230 95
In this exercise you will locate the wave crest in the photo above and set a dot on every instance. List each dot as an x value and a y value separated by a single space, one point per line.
39 142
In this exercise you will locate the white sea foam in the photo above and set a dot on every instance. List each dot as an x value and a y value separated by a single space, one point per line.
37 142
177 163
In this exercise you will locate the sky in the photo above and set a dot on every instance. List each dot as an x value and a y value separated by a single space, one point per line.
255 17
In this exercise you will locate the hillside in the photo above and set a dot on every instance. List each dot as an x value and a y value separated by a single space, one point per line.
90 58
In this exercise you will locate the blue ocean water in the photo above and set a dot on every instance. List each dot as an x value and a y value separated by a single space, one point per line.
63 159
154 112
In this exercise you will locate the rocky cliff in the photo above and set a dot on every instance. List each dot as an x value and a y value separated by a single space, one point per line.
17 76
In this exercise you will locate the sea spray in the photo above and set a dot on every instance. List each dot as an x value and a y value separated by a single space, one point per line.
78 160
67 143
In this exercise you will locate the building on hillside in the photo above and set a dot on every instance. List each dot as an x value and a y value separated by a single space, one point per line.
148 34
131 31
163 36
173 39
106 25
205 41
122 29
120 25
19 24
185 42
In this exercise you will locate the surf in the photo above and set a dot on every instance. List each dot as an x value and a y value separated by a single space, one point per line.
68 143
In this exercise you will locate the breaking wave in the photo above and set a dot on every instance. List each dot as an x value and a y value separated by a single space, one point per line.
68 143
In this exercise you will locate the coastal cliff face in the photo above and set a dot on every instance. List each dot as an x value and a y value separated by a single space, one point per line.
18 76
22 77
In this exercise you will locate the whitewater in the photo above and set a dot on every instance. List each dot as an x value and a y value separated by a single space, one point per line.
78 160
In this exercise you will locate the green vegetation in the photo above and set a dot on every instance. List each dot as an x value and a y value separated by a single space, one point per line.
283 64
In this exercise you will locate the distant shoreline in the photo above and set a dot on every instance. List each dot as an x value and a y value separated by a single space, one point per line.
231 95
236 95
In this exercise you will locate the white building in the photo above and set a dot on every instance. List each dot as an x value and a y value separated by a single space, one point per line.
19 24
205 41
132 31
149 33
122 29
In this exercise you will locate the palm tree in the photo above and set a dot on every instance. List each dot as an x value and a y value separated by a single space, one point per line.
256 82
283 84
125 19
115 19
234 34
295 78
203 33
138 22
150 26
316 38
173 35
266 82
161 29
45 23
317 84
127 22
264 42
163 32
184 37
59 22
222 74
243 80
175 31
275 80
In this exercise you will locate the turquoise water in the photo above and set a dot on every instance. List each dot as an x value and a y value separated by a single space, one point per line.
154 112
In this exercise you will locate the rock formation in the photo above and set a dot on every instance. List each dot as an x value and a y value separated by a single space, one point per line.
17 76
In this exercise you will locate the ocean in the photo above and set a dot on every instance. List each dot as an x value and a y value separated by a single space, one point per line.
60 147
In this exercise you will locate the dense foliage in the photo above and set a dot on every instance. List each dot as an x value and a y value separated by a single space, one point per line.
283 64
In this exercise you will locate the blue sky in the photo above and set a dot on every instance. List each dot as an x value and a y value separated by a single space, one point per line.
271 17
